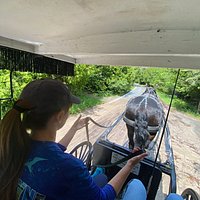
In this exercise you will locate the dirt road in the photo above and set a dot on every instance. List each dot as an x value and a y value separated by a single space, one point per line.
185 138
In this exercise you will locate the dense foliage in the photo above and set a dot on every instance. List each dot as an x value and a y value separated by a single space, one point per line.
102 79
107 80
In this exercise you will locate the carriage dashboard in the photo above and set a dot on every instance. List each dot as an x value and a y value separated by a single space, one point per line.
113 157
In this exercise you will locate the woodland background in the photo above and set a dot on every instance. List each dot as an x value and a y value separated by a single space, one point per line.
92 83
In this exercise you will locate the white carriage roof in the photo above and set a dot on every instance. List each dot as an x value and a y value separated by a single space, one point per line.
113 32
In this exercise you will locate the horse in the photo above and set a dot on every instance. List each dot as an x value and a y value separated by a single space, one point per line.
143 117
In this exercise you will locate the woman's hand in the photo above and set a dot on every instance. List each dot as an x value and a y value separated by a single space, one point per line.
136 159
80 123
119 179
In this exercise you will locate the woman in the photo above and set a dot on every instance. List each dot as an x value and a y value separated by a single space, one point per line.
33 165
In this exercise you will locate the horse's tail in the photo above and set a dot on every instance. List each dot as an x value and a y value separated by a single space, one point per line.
141 125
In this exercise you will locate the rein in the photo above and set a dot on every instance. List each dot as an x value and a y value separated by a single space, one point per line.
97 124
131 155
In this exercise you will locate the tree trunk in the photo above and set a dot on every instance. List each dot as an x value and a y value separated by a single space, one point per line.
198 109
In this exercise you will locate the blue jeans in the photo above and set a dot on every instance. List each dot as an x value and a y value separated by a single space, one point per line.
134 190
173 196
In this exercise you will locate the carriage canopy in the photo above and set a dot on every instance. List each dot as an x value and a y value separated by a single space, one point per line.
137 33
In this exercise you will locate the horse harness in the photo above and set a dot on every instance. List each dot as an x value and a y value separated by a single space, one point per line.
152 130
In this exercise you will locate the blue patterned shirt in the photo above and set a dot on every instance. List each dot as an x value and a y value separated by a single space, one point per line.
52 174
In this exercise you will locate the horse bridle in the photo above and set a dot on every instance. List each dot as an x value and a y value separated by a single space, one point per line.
151 129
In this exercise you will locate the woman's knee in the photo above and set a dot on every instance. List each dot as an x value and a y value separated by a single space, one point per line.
136 183
174 196
135 190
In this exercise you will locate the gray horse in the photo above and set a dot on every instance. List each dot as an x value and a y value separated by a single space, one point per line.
143 117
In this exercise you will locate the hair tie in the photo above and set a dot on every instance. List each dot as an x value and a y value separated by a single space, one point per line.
22 108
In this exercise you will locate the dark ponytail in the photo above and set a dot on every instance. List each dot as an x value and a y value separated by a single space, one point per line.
14 146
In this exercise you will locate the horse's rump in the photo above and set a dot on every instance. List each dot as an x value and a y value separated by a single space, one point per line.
143 117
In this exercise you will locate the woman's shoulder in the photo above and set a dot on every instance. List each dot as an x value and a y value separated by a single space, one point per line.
54 153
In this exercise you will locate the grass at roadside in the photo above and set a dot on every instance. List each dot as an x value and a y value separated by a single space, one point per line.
179 104
90 100
87 101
